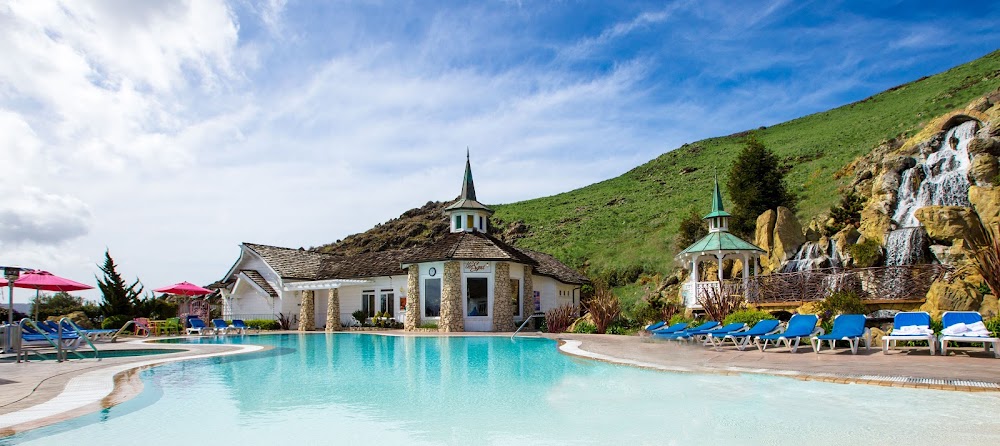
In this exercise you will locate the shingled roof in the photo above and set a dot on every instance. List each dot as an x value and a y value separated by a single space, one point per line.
552 267
258 279
472 245
309 265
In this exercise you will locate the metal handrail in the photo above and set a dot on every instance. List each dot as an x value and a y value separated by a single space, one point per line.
525 323
57 344
79 332
114 337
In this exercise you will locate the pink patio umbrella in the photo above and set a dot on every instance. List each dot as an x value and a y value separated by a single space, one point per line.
184 289
44 280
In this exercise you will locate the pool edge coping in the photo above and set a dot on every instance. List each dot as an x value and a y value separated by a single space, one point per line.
573 347
95 390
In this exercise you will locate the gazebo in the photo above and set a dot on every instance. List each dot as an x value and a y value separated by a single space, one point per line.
718 245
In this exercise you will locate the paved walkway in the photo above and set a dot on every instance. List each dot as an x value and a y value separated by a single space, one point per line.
44 392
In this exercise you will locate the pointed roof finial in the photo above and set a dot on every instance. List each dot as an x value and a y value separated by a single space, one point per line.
468 186
717 209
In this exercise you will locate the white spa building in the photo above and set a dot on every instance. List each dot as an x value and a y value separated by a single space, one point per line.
466 281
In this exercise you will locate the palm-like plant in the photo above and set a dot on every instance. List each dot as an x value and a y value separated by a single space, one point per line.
722 300
604 308
985 259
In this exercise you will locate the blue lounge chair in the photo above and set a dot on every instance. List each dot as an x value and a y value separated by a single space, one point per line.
241 326
197 326
722 331
686 334
649 327
742 339
799 326
92 334
220 326
671 329
846 327
951 319
910 326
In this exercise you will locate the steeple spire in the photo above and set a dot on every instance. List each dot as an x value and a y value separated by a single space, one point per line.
717 198
468 187
718 219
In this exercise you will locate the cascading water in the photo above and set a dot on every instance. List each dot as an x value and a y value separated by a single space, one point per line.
813 255
940 180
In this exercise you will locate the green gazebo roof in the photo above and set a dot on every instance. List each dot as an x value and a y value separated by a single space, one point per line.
720 241
717 210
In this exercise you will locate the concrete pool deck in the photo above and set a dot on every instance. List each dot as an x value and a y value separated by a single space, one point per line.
39 393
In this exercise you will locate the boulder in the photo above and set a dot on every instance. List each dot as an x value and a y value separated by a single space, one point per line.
986 202
990 308
984 169
841 240
788 237
987 145
959 295
949 223
875 223
814 231
764 234
877 334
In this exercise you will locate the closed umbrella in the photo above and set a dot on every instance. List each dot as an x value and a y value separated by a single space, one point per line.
44 280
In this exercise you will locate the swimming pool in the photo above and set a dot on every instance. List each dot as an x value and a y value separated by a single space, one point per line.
372 389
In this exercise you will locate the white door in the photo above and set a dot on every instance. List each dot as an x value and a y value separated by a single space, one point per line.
478 304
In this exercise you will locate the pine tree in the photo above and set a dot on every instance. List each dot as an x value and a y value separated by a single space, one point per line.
756 184
118 299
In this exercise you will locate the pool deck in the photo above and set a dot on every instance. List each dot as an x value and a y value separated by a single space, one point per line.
39 393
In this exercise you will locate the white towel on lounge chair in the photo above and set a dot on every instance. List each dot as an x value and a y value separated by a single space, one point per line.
908 330
958 329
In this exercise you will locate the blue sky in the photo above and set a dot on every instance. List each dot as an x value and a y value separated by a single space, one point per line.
169 132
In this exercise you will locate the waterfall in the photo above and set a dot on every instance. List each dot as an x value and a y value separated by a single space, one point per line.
943 179
813 255
905 246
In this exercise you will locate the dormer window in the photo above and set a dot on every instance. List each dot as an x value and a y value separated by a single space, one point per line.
458 223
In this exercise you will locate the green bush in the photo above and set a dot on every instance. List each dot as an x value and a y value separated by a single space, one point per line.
748 316
585 328
115 322
841 302
866 254
263 324
431 325
360 316
623 326
680 317
993 325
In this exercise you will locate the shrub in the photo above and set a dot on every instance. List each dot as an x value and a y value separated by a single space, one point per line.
115 322
558 319
360 316
263 324
623 327
678 318
430 325
584 327
747 316
719 302
604 308
286 322
866 254
841 302
848 212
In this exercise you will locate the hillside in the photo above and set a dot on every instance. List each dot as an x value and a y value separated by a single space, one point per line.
626 225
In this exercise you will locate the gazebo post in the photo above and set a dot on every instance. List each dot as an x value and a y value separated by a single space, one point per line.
719 257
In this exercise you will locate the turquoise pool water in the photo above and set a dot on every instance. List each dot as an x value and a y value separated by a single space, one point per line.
360 389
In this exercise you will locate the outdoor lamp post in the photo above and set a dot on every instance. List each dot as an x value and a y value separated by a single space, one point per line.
11 273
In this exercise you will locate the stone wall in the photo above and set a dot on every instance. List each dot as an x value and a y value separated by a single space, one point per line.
412 320
528 301
452 317
333 311
307 312
503 306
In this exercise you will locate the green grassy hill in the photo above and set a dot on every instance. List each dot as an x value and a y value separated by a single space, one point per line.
627 224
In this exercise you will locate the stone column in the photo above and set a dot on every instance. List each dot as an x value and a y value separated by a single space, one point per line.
307 312
452 316
503 307
412 298
528 299
333 311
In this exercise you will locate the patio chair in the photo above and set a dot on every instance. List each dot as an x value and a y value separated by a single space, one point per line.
799 326
742 339
966 327
671 329
142 325
685 334
241 326
172 325
655 326
705 326
197 326
846 327
910 326
220 326
722 331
